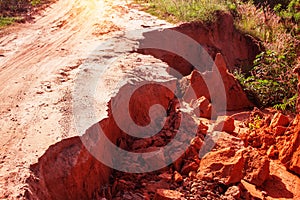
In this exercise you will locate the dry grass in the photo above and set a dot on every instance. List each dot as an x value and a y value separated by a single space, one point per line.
184 10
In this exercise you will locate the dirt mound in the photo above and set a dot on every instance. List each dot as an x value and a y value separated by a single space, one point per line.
75 172
208 84
67 171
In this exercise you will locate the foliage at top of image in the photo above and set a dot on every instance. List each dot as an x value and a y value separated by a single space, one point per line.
14 10
271 3
185 10
12 7
288 14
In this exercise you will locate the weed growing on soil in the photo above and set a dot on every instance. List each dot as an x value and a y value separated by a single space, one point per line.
256 124
5 21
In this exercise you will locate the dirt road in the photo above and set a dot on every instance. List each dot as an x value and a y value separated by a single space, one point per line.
38 65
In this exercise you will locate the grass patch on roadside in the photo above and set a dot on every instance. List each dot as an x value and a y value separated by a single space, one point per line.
185 10
6 21
12 11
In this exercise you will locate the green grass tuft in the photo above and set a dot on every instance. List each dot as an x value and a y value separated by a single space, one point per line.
35 2
6 21
185 10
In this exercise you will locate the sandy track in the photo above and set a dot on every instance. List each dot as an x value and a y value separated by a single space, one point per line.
38 65
33 106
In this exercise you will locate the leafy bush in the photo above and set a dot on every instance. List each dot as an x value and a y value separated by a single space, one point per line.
290 15
271 82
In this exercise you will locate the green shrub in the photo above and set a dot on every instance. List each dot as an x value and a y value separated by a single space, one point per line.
271 82
290 15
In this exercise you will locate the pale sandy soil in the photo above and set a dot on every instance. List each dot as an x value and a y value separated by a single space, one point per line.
39 64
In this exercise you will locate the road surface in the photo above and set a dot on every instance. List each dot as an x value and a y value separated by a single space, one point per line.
38 65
